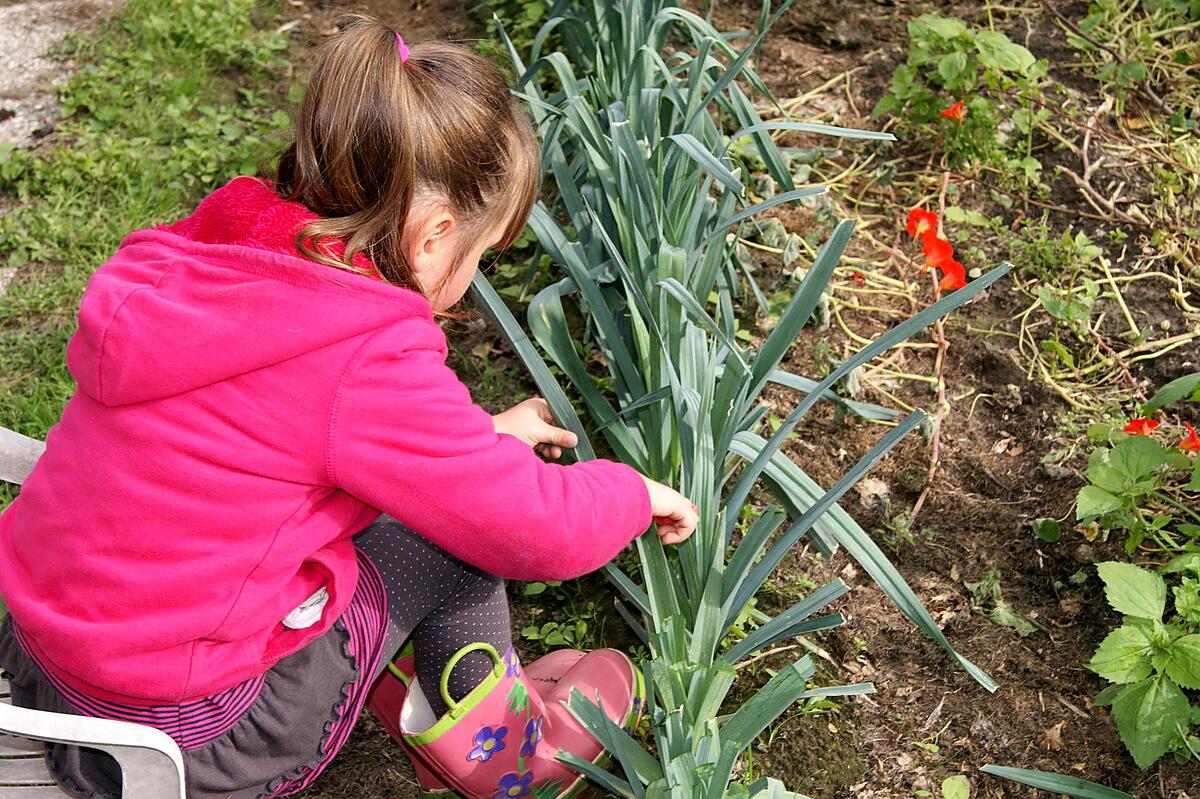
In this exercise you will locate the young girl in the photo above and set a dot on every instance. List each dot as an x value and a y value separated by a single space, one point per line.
201 547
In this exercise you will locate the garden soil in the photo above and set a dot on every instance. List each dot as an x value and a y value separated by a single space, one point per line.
929 719
28 109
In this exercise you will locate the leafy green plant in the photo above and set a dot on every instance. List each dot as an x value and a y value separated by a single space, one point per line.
995 79
1187 593
1073 310
1152 664
555 634
1127 485
520 19
575 617
648 194
1182 389
1049 256
1142 486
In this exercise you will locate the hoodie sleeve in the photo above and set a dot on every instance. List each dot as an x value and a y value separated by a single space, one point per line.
406 438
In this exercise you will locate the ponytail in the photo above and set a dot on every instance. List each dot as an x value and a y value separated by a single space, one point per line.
384 125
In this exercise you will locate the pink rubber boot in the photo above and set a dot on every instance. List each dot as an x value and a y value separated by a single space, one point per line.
387 698
499 742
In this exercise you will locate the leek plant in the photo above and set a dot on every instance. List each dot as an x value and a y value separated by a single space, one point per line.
649 202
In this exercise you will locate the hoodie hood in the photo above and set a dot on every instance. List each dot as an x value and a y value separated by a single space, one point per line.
219 294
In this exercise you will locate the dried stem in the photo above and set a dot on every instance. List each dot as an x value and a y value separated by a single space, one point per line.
939 364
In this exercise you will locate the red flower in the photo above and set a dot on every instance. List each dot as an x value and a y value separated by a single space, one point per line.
954 275
937 251
921 223
858 277
1141 426
1190 443
955 112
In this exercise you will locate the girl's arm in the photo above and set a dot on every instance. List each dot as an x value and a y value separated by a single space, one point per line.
405 437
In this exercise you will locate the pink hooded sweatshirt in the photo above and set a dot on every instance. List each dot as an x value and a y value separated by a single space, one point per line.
241 412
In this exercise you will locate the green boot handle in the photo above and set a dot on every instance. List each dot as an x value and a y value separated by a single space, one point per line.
497 669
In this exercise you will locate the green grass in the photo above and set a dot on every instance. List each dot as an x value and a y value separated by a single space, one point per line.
173 99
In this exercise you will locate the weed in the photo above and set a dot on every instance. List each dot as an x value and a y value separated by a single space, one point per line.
576 623
520 19
1132 48
987 597
973 90
1151 663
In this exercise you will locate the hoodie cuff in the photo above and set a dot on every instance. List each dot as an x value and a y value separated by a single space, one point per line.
634 496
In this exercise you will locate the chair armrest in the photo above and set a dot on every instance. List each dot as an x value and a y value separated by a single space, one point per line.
18 454
151 763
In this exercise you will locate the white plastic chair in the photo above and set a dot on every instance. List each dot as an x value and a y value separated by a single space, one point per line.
151 763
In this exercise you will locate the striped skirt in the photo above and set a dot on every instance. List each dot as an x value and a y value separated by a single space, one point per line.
270 736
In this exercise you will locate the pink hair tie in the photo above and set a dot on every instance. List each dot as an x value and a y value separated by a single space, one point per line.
403 48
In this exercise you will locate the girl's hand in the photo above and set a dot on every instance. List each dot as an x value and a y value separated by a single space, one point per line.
674 513
532 422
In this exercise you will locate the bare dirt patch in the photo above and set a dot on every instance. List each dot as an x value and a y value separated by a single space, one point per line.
28 76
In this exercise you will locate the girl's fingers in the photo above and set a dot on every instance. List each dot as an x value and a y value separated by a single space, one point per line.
543 409
675 531
673 536
675 516
557 437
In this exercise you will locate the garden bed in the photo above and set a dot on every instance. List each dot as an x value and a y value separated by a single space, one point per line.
972 536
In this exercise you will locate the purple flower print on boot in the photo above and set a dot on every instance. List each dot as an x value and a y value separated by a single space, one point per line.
512 666
488 742
513 786
533 734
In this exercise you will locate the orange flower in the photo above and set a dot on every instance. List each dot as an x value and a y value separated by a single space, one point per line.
921 223
1190 443
937 251
955 112
954 276
1141 426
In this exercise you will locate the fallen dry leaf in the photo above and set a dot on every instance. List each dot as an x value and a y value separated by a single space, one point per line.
1052 737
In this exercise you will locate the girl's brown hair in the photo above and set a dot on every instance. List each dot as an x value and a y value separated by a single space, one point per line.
374 135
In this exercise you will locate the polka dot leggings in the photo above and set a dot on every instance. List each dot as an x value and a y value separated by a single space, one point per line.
440 603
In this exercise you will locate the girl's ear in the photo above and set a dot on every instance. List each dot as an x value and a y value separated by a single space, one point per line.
430 245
